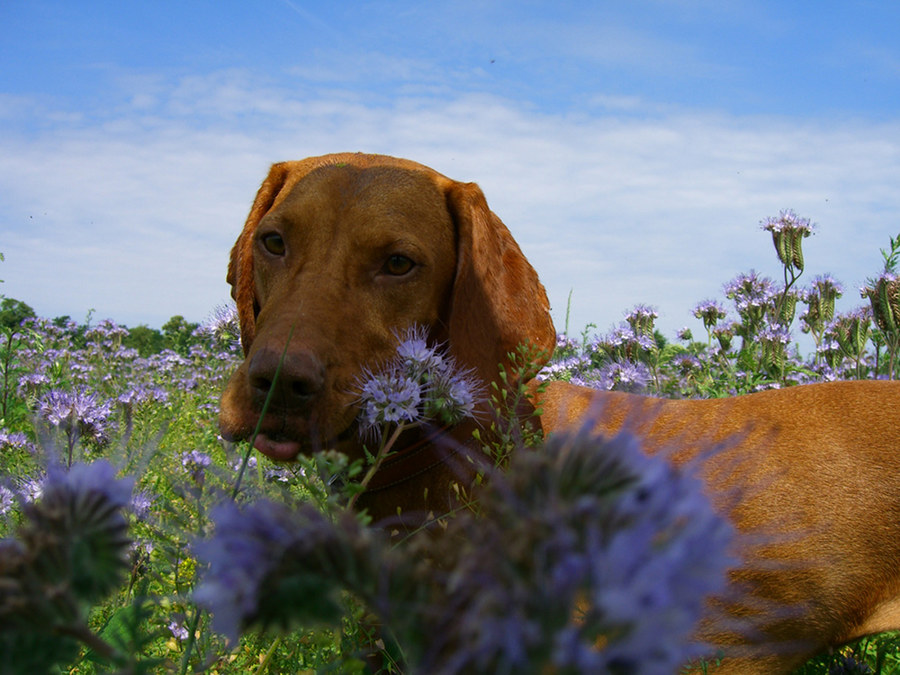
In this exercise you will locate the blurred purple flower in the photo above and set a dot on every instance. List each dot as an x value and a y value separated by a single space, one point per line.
179 632
141 394
195 462
141 503
7 500
13 440
628 376
96 477
274 564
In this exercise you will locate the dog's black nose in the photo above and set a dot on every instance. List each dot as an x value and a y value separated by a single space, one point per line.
296 383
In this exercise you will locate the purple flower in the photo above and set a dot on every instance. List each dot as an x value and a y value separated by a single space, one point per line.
625 336
787 220
80 413
246 547
141 394
32 488
390 398
588 542
710 312
31 383
223 323
415 356
641 320
788 231
141 503
564 342
775 334
418 385
626 376
7 500
12 440
274 564
179 632
826 286
750 288
195 462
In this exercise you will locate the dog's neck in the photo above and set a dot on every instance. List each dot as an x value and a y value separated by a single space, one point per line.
434 470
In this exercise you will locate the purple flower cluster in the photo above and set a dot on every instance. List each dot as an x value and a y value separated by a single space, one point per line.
80 413
420 384
787 220
628 376
750 292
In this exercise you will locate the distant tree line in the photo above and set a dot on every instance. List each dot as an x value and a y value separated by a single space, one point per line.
176 334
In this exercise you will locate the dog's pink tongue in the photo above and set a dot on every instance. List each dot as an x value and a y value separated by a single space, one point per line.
282 451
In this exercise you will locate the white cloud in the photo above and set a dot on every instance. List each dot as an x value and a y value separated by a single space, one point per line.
135 215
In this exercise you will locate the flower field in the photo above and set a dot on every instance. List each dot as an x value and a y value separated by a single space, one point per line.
136 540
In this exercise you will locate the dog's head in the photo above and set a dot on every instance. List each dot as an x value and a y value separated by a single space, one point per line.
339 255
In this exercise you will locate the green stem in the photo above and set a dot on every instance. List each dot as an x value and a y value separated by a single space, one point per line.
268 657
189 647
383 451
262 416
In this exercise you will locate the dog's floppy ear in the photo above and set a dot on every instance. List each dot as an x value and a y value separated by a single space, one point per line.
498 303
240 266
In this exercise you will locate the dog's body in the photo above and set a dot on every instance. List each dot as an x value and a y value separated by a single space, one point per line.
341 252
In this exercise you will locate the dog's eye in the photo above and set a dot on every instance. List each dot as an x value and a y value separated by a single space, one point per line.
273 243
398 265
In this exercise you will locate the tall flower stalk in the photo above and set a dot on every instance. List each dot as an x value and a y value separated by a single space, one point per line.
884 295
788 232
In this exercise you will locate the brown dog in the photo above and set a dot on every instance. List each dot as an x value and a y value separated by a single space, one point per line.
341 252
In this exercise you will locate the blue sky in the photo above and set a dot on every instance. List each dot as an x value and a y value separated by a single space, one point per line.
631 147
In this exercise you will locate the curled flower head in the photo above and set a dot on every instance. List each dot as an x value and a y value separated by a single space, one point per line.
788 231
641 320
851 331
884 295
788 220
820 300
710 312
